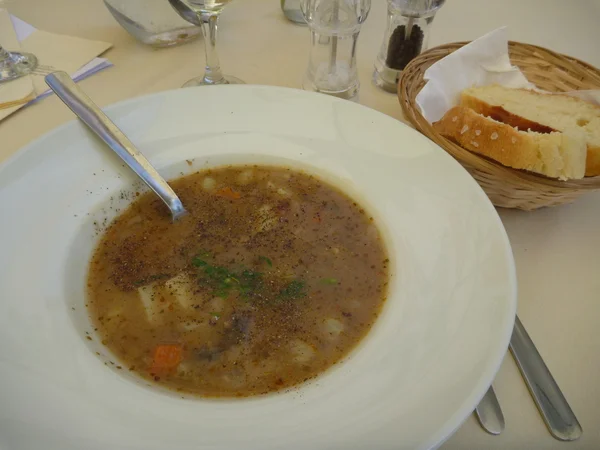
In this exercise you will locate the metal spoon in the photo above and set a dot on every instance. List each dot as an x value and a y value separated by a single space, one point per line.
84 108
186 12
551 402
489 413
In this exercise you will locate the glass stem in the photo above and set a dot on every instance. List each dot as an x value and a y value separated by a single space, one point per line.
4 55
212 74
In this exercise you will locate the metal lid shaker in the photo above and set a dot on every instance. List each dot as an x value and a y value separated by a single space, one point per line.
406 36
334 27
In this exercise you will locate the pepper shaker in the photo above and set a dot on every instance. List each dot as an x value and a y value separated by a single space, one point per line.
406 36
334 28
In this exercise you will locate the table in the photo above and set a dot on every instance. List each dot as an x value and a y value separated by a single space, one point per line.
556 250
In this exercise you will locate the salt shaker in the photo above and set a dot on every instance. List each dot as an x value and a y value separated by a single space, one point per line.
334 27
405 38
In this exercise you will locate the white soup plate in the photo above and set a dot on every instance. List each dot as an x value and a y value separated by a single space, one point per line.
410 383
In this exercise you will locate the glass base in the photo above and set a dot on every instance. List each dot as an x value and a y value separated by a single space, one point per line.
386 79
295 15
166 30
349 93
17 65
201 81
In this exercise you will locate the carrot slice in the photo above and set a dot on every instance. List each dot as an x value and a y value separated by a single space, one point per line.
166 357
229 193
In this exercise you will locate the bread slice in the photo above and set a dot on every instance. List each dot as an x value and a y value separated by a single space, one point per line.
540 112
555 154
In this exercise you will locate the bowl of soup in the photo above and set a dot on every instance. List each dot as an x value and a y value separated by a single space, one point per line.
272 277
339 281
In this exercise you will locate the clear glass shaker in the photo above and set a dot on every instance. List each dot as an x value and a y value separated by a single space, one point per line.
152 22
291 9
334 27
406 36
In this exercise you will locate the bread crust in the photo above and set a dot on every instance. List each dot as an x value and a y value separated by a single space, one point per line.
501 115
498 113
592 162
497 141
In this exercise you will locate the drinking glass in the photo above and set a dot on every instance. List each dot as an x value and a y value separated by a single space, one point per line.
152 22
208 12
15 64
292 11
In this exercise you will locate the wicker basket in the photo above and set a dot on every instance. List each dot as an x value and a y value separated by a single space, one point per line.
506 187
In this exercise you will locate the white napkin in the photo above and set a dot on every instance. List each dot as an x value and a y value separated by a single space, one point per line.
74 55
24 30
479 63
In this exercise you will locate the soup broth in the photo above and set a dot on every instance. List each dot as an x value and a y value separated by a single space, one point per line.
272 277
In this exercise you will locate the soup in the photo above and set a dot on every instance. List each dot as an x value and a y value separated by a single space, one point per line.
272 277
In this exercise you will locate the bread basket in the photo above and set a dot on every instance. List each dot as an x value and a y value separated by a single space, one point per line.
506 187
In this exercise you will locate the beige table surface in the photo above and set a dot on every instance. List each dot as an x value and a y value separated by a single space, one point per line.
557 250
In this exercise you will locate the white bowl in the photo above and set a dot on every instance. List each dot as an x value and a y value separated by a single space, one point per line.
412 381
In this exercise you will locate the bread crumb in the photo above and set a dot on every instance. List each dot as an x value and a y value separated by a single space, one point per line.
501 149
477 132
465 128
514 140
494 136
474 144
455 118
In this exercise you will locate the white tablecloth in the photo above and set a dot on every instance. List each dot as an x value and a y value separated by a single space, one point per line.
557 250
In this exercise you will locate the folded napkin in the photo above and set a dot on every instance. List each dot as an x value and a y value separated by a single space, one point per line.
74 55
482 62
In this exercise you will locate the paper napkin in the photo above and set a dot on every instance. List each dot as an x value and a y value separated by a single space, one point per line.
74 55
482 62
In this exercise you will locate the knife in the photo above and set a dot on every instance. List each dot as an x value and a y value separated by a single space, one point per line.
551 402
489 413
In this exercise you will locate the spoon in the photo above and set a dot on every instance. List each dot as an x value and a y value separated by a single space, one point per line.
489 413
548 397
186 12
90 114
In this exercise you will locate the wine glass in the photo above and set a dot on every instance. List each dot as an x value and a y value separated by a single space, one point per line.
15 64
208 12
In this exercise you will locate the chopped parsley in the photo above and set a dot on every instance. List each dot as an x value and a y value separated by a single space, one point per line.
293 290
200 259
248 283
198 262
267 260
223 282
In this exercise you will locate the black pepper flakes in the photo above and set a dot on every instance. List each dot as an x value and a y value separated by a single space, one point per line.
401 50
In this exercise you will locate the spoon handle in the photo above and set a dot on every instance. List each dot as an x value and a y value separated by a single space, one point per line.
90 114
553 406
489 413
